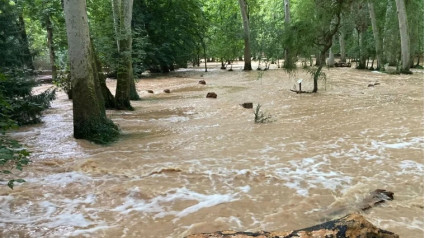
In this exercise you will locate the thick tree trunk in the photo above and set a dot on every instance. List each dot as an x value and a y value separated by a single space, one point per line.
107 96
404 35
376 35
26 56
49 29
126 89
90 120
245 19
353 225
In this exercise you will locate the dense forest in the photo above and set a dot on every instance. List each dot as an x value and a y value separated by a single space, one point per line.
82 42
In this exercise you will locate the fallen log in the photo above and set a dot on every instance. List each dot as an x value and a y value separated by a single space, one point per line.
297 91
342 64
353 225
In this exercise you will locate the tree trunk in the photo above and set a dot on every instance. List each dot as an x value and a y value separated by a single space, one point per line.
331 60
376 35
362 53
108 98
245 19
89 116
391 41
26 56
404 35
342 46
288 63
49 29
126 89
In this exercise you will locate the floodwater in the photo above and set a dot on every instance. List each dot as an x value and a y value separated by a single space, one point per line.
188 164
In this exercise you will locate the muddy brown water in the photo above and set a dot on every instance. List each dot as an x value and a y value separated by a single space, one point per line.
187 164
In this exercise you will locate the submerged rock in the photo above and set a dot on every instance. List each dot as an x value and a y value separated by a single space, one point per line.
353 225
376 197
211 95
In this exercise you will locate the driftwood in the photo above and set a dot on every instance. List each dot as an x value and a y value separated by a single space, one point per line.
353 225
376 197
297 91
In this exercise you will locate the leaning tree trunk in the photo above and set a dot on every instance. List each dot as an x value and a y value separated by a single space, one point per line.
89 116
404 35
245 18
376 35
122 11
49 29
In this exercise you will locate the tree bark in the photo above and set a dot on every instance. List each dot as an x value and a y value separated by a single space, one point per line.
404 35
126 89
245 18
287 54
50 45
362 53
331 60
108 98
26 56
342 46
376 35
89 116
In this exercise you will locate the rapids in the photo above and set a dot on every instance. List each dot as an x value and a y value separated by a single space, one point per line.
187 164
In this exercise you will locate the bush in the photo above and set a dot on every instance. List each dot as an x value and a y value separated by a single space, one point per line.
17 107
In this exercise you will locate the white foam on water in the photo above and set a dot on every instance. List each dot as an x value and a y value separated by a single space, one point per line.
80 232
414 143
161 206
175 119
46 213
411 167
308 173
62 179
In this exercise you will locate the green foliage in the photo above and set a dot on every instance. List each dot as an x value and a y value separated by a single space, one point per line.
18 107
259 116
23 107
14 50
12 157
172 32
63 81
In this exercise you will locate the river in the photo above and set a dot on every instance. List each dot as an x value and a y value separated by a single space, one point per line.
188 164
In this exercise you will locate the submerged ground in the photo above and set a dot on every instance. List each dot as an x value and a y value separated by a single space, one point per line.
187 164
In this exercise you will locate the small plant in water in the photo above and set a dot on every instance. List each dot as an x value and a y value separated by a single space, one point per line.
260 117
